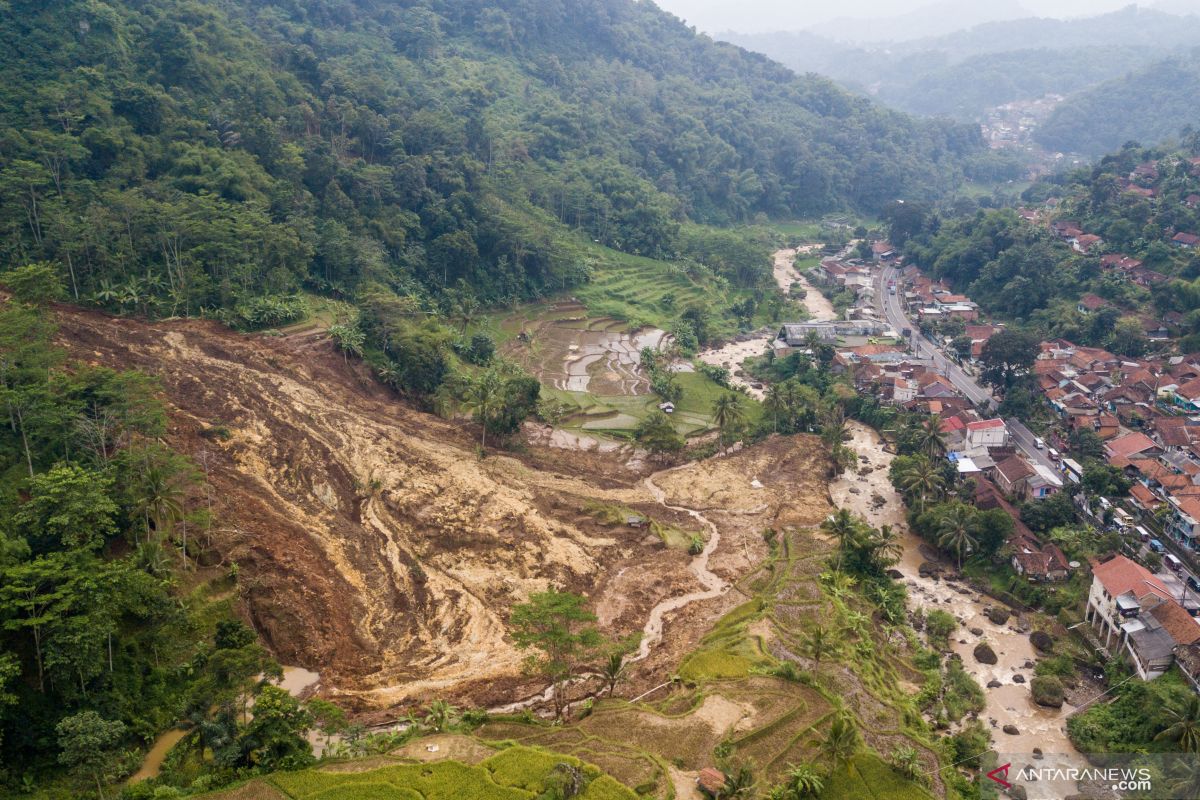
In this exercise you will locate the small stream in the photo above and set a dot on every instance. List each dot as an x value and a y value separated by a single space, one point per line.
713 585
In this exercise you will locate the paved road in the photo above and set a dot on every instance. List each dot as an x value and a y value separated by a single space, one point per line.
896 317
1026 440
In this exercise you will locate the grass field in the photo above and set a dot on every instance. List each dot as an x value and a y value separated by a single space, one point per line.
513 773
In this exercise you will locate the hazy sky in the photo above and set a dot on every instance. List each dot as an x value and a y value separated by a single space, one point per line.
777 15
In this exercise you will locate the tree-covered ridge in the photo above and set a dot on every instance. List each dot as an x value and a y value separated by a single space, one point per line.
1150 104
1136 200
176 155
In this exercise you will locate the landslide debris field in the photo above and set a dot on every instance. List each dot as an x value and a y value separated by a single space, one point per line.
375 546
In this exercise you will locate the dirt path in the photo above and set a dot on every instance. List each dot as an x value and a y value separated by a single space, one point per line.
1008 704
713 585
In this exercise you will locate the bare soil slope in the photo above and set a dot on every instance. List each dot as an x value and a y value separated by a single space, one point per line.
372 544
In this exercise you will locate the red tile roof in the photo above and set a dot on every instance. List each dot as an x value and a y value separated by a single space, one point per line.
1144 496
986 424
1179 623
1119 575
1130 444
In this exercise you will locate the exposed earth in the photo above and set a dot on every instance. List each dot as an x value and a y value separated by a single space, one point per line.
374 546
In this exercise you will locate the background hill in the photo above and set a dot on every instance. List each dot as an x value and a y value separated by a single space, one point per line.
183 154
1149 105
961 74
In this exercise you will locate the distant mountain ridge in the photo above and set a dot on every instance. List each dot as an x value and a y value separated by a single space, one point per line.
963 73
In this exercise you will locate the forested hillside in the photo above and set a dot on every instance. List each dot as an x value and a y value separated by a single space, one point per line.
1136 210
1149 105
176 155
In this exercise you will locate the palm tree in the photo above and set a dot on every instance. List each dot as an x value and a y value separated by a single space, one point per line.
843 526
729 411
1185 729
921 479
886 548
613 670
804 782
956 529
819 642
841 742
812 342
775 401
930 439
1187 778
484 396
833 427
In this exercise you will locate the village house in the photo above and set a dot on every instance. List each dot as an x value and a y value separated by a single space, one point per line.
1091 303
1086 242
1037 561
1188 240
987 433
1119 589
1012 475
1184 523
1130 445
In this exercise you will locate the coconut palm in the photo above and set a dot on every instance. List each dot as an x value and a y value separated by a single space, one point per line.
739 783
775 402
845 527
930 439
921 480
841 742
833 427
484 397
819 642
1185 727
613 670
885 545
956 530
729 412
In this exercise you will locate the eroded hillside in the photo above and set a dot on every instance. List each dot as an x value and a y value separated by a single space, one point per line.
375 546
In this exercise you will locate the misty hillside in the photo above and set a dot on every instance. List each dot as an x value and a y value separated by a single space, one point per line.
332 142
963 73
1150 105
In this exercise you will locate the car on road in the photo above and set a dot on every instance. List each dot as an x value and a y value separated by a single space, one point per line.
1156 545
1173 562
1039 443
1192 583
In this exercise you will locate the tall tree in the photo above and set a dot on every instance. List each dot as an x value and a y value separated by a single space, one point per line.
562 631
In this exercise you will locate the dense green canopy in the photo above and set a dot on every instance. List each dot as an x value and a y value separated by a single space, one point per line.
173 155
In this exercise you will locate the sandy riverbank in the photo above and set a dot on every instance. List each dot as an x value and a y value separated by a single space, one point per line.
1008 704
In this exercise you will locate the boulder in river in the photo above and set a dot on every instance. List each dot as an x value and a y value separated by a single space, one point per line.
1018 793
984 653
977 631
1048 691
1018 678
1037 753
1012 730
895 574
928 569
998 615
1027 665
994 684
1042 641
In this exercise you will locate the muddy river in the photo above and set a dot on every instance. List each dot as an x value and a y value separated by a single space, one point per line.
732 354
873 497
